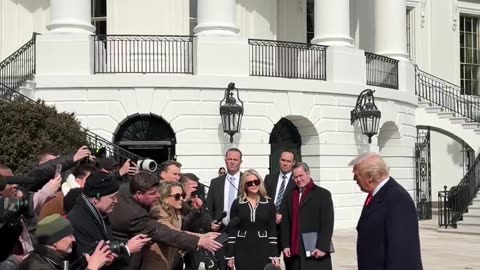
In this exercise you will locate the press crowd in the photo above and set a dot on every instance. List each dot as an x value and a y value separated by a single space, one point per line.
86 212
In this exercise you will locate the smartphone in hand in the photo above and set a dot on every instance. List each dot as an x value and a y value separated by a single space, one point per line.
58 170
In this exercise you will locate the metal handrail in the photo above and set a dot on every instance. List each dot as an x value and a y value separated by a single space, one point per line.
382 71
453 203
273 58
94 141
143 54
18 74
8 94
447 95
17 68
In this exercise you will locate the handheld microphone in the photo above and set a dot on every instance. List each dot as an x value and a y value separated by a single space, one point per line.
224 214
223 238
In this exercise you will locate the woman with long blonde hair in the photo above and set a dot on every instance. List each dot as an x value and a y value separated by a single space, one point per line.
252 242
167 212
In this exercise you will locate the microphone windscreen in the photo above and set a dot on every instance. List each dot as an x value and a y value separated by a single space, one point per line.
271 266
234 222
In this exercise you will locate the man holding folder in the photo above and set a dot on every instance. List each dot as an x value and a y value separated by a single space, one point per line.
307 225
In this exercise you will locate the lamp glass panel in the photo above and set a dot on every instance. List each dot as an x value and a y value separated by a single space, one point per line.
240 115
233 122
225 121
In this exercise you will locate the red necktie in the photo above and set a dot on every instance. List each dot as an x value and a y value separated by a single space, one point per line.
369 199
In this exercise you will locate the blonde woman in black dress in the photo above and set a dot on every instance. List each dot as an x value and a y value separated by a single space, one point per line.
252 244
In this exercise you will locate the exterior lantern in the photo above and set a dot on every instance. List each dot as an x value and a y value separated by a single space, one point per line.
231 111
367 113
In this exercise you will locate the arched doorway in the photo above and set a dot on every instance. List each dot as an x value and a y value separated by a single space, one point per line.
148 136
284 135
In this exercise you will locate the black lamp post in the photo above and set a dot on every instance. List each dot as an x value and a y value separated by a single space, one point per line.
231 112
367 112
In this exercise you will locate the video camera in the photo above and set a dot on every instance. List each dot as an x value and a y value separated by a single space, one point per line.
147 164
11 227
11 209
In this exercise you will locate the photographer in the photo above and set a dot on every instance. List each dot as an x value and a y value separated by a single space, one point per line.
194 216
90 220
55 241
13 230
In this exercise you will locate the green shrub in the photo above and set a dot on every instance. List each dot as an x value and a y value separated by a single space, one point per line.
26 128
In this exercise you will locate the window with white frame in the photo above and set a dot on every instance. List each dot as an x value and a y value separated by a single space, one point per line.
193 16
469 55
99 16
410 33
310 20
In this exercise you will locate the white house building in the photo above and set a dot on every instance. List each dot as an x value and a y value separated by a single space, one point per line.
149 76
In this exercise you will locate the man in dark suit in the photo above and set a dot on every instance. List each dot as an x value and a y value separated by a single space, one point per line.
278 185
388 237
308 209
221 194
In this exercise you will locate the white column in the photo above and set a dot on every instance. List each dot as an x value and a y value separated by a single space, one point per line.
391 28
216 18
332 23
70 17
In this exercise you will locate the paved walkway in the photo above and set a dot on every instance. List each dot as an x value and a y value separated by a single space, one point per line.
440 251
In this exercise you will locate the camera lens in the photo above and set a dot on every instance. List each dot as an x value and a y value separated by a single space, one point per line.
116 247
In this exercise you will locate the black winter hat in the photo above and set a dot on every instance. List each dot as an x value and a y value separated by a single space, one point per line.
100 184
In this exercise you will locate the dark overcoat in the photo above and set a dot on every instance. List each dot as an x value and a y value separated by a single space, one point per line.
388 236
315 215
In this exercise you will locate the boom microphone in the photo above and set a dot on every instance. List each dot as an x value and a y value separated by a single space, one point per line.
224 214
3 182
15 180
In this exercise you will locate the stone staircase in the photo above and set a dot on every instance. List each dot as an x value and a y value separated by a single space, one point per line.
438 117
471 220
445 107
28 89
